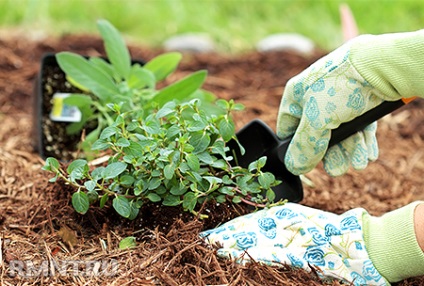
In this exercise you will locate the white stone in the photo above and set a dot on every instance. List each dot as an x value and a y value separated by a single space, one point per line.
286 41
190 42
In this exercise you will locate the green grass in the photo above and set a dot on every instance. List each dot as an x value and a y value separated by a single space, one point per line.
236 25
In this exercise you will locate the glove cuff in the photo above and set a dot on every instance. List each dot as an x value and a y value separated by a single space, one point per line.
392 63
392 244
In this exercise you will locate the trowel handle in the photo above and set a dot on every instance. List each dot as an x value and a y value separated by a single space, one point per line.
349 128
359 123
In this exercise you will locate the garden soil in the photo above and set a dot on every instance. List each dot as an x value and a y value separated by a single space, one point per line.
40 232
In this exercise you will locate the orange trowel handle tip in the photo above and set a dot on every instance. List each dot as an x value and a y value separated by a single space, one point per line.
408 100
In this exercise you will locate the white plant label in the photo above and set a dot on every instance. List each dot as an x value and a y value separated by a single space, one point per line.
63 112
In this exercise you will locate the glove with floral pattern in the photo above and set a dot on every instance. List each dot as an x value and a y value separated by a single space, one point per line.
346 83
302 237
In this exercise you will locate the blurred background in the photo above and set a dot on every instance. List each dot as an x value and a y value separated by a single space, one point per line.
234 25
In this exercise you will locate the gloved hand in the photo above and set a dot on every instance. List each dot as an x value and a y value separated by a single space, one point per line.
346 83
302 237
354 246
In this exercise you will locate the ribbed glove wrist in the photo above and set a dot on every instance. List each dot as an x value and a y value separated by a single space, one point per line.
392 63
392 244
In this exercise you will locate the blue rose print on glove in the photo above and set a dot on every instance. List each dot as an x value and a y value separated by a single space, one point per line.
302 237
369 271
315 256
359 155
312 112
298 92
331 230
321 144
356 101
295 262
318 86
359 246
357 279
268 227
245 239
286 214
317 236
327 94
350 223
214 230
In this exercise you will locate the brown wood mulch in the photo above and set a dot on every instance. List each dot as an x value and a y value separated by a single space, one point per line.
38 226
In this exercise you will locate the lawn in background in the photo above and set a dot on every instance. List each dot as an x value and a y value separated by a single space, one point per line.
236 25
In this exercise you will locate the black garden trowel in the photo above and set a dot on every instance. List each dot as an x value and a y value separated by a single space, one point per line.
259 140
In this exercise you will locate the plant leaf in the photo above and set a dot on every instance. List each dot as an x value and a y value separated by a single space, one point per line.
193 162
122 142
189 201
51 165
77 170
122 206
178 190
163 65
104 66
168 171
266 179
116 49
171 200
80 202
258 164
135 209
108 132
100 144
93 196
141 78
154 183
87 74
103 200
200 141
78 100
128 242
181 89
75 127
127 180
113 170
90 185
227 129
270 194
75 165
154 197
227 190
205 157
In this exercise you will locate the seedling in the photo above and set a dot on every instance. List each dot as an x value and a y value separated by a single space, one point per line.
165 146
115 81
176 155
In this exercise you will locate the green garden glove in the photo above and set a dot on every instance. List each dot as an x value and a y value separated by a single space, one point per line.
346 83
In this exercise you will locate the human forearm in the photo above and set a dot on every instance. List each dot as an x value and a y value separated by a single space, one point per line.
393 242
419 225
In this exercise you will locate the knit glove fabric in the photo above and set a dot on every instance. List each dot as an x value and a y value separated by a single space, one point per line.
392 244
341 86
302 237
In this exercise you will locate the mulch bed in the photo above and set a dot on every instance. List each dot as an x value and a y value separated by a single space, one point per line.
37 223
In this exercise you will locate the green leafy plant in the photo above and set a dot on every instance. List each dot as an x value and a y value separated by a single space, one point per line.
119 81
177 155
166 146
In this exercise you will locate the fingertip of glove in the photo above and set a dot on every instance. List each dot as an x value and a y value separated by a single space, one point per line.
335 172
297 168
